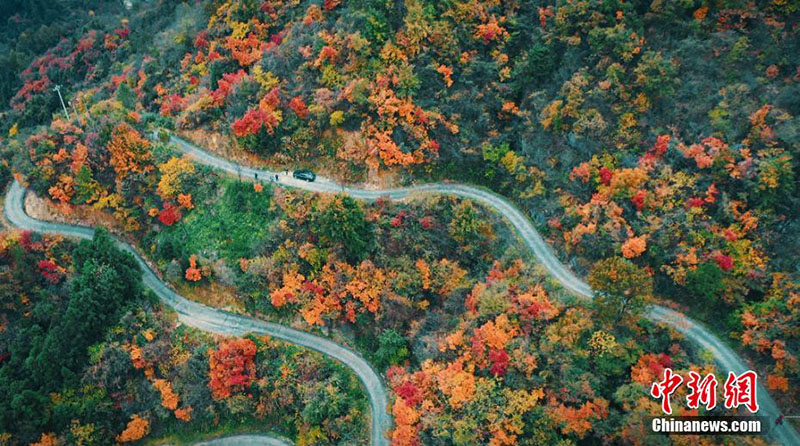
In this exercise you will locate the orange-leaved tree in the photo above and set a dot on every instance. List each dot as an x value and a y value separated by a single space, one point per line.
130 152
137 428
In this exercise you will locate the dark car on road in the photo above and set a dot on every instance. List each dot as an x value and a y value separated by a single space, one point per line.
305 175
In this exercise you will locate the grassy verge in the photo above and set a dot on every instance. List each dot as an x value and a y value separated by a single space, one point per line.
186 435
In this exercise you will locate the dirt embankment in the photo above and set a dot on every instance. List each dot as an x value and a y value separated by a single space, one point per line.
351 145
83 215
222 145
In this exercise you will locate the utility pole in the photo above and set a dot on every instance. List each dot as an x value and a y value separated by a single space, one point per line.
57 89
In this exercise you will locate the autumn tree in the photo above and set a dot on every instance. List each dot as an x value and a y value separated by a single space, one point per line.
47 439
130 152
468 227
169 399
193 272
137 428
622 289
174 173
87 189
578 421
231 367
170 214
257 129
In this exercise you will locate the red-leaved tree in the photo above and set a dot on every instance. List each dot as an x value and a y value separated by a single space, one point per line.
232 368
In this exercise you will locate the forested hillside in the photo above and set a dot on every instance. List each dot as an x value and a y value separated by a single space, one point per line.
654 144
89 359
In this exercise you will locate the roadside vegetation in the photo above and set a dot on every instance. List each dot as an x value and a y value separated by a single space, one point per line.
90 358
654 144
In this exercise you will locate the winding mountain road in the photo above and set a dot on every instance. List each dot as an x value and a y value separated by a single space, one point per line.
222 322
219 321
726 358
246 440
